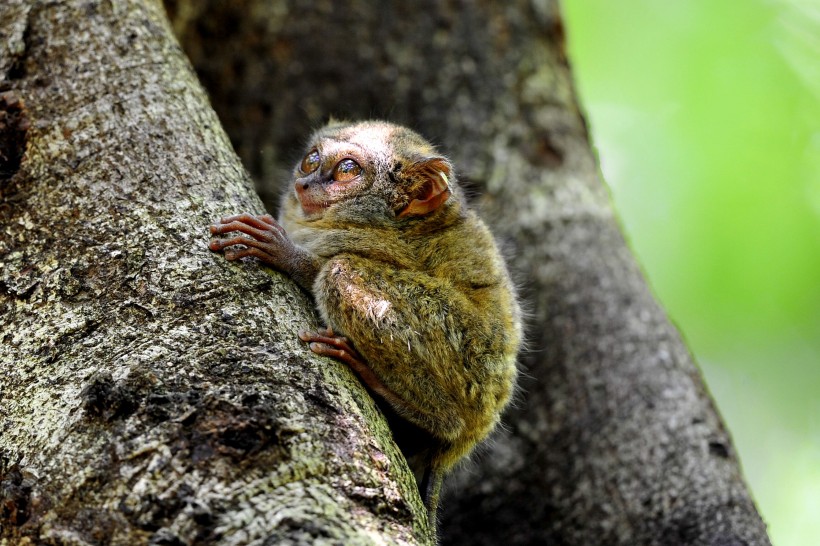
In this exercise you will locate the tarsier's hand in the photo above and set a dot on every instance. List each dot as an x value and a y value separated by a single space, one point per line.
267 241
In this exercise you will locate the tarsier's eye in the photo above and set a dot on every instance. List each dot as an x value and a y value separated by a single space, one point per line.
346 170
311 162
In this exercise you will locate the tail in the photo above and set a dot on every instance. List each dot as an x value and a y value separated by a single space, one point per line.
430 488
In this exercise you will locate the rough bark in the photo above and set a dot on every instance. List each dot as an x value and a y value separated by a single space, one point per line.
152 392
614 439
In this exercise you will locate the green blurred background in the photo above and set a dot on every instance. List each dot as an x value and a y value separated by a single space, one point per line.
706 118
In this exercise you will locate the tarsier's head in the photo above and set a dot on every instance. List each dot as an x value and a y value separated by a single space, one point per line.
371 169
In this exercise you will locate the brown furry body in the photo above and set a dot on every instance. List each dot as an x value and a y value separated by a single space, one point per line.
400 266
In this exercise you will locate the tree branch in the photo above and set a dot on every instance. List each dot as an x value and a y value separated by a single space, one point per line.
152 391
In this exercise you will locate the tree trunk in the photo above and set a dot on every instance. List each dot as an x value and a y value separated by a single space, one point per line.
151 391
613 439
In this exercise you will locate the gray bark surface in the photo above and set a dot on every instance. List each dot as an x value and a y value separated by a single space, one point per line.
151 391
614 438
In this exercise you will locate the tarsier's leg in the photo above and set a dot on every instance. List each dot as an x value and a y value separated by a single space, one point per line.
327 343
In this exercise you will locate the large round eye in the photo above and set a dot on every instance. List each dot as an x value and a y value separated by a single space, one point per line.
311 162
346 170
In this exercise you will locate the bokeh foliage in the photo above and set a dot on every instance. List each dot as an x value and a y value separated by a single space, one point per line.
706 118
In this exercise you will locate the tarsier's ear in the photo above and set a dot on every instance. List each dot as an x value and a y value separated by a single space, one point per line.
431 188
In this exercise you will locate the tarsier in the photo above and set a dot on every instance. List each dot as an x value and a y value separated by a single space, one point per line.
414 292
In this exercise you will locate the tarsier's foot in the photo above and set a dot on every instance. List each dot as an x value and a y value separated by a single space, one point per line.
325 342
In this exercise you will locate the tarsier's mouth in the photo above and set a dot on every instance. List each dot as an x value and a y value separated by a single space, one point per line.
312 207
